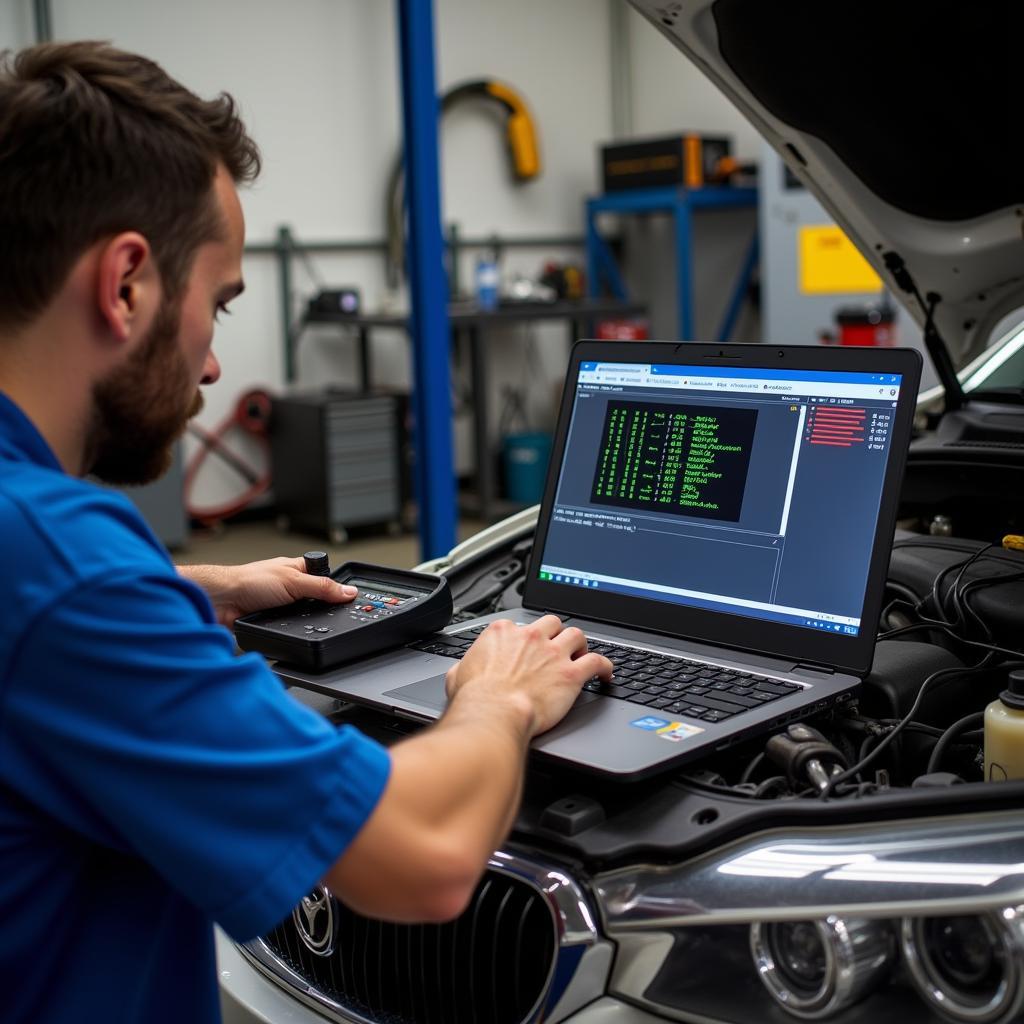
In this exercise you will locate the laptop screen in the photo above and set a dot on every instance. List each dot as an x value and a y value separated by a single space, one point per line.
750 492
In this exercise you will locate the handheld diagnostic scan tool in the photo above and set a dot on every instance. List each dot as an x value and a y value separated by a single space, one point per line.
393 607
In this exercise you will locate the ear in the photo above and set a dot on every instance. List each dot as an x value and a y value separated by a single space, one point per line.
128 286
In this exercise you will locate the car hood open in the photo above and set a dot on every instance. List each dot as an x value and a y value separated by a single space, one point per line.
899 119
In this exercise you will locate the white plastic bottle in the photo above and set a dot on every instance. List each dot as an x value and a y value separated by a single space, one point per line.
1004 732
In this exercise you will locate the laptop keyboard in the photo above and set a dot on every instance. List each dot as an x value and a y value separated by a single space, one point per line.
660 682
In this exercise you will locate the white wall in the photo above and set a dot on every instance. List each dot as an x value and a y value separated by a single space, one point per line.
317 81
15 24
670 93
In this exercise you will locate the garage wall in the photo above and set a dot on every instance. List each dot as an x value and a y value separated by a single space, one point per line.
317 81
670 93
15 24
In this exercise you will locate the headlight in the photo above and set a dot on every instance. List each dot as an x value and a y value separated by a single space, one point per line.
814 969
814 916
968 968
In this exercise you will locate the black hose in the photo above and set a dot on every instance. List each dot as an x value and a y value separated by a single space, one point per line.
965 724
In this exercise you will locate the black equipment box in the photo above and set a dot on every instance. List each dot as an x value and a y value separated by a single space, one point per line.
689 160
393 607
336 461
335 300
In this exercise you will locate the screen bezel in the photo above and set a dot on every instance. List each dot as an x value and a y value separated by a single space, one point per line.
837 651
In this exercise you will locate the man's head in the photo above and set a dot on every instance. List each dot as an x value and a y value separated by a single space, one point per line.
102 154
142 406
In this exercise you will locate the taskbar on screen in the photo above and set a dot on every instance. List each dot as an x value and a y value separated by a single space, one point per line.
842 625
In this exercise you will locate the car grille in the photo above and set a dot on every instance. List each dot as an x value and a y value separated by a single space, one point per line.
491 965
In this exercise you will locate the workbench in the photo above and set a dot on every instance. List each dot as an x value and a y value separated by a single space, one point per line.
471 325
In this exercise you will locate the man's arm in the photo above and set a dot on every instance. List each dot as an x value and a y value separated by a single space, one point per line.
236 590
454 788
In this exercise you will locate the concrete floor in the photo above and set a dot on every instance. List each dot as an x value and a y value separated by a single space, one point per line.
236 543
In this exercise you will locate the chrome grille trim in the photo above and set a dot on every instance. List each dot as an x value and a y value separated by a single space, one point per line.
263 957
580 955
575 922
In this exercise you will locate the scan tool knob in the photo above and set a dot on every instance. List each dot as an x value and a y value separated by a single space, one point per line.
317 563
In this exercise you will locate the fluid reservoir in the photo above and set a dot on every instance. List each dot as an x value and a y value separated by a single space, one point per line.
1004 732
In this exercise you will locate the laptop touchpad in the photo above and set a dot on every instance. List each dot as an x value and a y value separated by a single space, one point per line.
430 692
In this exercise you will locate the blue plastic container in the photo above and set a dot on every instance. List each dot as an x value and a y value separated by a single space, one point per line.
487 281
526 465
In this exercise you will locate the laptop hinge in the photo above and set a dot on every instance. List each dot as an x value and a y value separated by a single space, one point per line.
823 670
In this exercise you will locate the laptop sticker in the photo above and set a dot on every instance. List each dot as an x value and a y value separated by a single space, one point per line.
650 723
678 731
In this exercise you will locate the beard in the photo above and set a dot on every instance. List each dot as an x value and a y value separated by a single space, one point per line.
142 408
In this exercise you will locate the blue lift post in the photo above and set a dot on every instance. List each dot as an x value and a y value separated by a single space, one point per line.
681 203
428 289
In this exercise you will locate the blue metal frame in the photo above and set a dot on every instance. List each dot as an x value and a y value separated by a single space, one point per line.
739 292
432 409
681 203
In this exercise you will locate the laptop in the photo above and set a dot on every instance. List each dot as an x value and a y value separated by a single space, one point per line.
717 520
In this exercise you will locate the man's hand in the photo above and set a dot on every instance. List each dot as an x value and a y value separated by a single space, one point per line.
454 788
239 589
541 667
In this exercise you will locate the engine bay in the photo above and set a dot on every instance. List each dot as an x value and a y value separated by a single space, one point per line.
947 640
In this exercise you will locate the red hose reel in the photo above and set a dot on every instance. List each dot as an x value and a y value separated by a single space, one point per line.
251 415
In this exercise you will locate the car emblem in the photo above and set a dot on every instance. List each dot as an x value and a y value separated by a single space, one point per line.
315 922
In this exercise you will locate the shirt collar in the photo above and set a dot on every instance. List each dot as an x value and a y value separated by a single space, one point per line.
20 441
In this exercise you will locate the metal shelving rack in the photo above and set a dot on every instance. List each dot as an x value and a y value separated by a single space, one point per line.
681 203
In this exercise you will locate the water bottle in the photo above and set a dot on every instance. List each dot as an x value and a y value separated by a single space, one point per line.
487 280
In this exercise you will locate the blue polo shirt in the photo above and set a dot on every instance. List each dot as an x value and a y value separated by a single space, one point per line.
151 780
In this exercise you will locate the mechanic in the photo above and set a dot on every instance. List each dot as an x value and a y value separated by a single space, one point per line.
151 781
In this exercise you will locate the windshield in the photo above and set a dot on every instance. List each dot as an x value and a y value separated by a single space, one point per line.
1000 367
